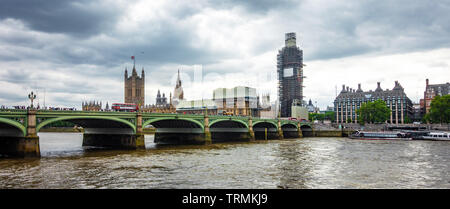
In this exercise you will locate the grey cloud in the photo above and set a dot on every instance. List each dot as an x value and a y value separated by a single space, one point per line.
79 18
394 27
63 33
256 6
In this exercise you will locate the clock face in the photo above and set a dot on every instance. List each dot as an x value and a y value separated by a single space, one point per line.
288 72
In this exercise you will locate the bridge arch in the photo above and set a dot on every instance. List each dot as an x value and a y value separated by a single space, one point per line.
229 129
154 120
71 118
306 130
231 120
265 122
171 130
290 125
15 124
289 130
260 127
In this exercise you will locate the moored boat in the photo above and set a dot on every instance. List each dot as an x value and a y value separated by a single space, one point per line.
366 135
437 136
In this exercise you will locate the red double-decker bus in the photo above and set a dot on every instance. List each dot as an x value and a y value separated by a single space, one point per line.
124 107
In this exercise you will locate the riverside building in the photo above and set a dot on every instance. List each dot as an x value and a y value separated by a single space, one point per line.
349 100
432 90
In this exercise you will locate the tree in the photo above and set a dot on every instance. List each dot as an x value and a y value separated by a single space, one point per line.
439 109
330 115
373 112
407 120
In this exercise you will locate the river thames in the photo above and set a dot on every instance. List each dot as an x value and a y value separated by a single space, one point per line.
291 163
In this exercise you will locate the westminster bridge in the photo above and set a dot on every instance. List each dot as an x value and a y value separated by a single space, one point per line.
19 128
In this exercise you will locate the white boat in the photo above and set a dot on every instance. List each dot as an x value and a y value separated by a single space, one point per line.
437 136
380 135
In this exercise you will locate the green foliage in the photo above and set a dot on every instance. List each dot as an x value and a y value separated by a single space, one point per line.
439 110
407 120
373 112
330 115
426 118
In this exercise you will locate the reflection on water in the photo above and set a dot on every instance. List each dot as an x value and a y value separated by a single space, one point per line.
291 163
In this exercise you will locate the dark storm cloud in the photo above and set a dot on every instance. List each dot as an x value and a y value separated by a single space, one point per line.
80 18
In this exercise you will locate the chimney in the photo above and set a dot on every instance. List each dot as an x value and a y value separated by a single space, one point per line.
426 81
347 88
343 87
378 84
396 83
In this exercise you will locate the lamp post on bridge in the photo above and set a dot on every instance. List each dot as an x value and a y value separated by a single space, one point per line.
32 96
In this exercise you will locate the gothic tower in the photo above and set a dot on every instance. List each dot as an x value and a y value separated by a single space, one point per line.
135 88
178 91
290 74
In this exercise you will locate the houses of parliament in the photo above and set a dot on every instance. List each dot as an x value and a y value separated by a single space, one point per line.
134 91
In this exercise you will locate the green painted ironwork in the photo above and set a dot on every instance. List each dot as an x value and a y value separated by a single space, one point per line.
42 124
152 120
213 121
15 124
18 118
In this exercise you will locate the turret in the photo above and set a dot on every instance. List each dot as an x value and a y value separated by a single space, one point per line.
343 89
378 87
397 86
359 88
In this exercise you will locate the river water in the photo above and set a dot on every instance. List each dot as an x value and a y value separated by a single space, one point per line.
291 163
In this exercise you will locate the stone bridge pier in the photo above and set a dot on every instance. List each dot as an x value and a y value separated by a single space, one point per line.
15 143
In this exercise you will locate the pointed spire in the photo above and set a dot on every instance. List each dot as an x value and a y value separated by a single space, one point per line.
134 73
143 73
126 73
178 79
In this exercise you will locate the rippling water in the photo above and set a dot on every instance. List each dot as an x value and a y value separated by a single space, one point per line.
291 163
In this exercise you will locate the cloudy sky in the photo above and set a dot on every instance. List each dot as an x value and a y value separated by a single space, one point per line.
74 51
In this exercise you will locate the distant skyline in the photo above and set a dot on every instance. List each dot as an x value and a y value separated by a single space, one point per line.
78 50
